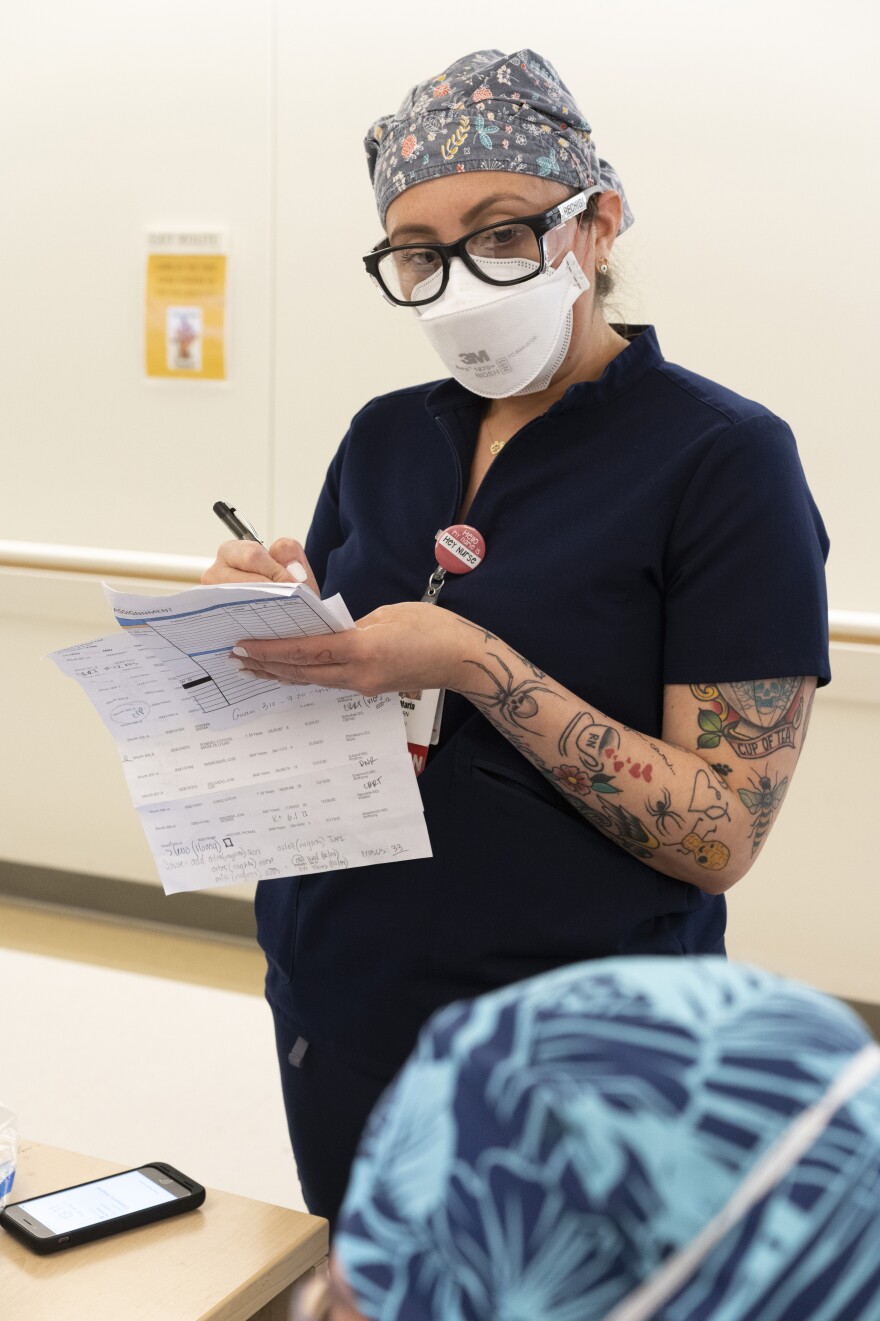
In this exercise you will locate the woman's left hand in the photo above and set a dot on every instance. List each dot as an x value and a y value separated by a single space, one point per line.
397 648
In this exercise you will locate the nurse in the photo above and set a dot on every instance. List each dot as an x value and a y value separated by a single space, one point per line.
629 668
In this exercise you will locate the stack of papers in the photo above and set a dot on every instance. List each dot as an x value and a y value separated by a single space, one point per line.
237 778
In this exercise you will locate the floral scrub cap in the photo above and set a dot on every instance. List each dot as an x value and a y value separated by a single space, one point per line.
629 1138
488 111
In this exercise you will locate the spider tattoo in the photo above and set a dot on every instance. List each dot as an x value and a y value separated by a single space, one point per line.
662 812
514 701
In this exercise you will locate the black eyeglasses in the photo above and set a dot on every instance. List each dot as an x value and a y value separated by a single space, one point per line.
510 252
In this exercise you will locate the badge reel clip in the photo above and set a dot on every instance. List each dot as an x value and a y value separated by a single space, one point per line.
459 549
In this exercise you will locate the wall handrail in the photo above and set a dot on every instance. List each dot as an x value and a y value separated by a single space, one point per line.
854 626
859 626
101 560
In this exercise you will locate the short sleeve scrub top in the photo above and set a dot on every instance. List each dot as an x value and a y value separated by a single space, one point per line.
650 528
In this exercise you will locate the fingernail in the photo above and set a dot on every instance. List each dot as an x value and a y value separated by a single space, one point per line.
239 651
296 570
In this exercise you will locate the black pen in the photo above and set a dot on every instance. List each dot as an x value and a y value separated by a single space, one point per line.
238 526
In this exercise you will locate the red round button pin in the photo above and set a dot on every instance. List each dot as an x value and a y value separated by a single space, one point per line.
460 548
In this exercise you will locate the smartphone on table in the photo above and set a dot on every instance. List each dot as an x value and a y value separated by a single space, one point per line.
102 1206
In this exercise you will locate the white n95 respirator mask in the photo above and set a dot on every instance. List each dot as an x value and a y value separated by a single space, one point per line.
501 340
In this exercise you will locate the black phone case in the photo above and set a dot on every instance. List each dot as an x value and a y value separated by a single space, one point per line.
88 1234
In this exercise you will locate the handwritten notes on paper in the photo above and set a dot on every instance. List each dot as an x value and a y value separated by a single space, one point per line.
237 778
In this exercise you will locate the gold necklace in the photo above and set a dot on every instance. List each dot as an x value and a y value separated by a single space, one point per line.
496 446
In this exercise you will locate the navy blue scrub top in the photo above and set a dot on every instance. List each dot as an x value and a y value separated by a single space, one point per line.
650 528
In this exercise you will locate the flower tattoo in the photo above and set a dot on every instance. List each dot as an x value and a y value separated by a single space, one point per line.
580 782
572 779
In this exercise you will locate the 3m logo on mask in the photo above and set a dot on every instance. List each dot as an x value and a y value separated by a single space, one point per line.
480 359
529 328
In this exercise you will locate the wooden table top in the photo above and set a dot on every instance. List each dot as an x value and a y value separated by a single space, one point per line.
222 1262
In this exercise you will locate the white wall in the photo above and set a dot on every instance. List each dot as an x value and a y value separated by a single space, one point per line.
115 119
746 137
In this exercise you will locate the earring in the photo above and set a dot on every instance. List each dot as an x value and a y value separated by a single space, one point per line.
602 267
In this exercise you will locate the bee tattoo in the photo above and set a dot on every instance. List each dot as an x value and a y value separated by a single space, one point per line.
762 800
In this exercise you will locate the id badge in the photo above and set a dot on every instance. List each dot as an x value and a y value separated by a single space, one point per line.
421 715
459 549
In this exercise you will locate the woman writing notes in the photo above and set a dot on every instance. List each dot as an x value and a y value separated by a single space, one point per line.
628 668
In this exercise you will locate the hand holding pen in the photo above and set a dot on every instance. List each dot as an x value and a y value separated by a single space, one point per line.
246 559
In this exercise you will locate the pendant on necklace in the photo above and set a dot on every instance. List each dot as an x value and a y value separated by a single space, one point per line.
496 447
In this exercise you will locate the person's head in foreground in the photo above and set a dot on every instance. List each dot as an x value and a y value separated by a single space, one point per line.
500 217
624 1139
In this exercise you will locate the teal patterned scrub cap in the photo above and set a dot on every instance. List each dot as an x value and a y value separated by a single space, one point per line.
673 1138
488 111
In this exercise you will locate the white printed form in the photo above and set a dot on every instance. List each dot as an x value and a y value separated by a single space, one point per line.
241 779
